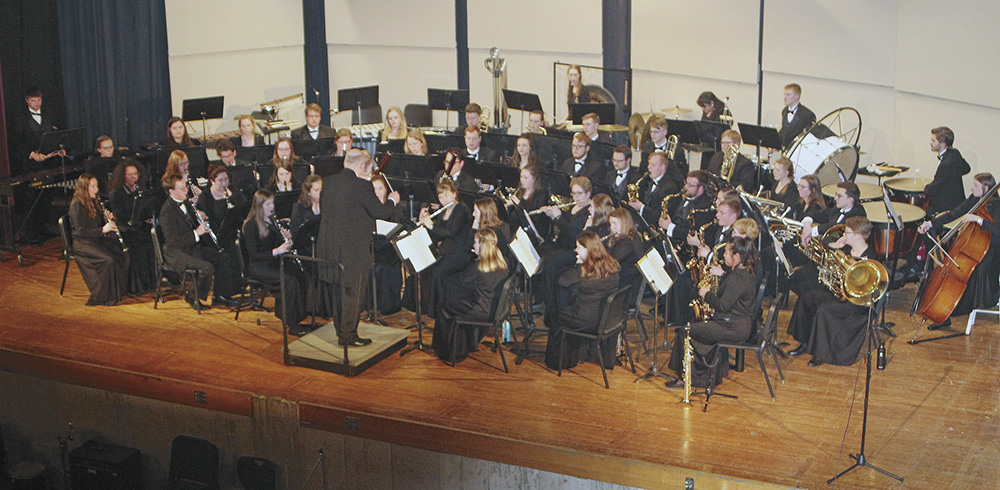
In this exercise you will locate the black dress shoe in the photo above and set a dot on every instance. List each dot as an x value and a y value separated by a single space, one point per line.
675 383
222 300
939 326
353 341
815 362
197 304
798 351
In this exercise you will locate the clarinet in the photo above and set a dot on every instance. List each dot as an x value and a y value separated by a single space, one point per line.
286 233
110 218
201 221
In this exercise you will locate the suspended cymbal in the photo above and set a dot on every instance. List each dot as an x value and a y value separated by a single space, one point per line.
676 110
635 124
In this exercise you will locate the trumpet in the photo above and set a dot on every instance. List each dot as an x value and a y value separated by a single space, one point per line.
110 218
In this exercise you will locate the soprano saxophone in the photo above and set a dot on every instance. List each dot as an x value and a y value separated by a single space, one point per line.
688 360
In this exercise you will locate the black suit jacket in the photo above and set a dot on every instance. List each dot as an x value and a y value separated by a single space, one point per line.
347 222
603 137
27 135
592 169
678 167
324 132
832 216
744 172
485 155
946 190
681 208
465 181
178 232
653 201
801 121
632 175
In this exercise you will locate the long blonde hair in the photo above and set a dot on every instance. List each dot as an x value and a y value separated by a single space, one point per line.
256 213
387 133
82 194
490 258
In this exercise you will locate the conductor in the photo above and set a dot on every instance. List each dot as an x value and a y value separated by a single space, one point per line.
350 208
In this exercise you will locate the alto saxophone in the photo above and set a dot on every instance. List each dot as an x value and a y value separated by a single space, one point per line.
688 360
633 189
702 277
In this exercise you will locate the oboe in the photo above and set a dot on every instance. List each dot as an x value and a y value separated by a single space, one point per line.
110 218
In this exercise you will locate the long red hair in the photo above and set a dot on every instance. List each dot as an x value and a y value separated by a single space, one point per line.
599 263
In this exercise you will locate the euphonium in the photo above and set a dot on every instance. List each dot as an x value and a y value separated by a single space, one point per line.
729 162
633 189
672 142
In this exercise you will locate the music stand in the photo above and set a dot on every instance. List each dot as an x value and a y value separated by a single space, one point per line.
685 131
414 251
558 182
710 132
204 108
522 101
61 140
356 99
438 143
283 202
506 176
308 148
605 111
654 271
231 222
416 190
327 165
412 167
447 100
147 206
893 218
530 263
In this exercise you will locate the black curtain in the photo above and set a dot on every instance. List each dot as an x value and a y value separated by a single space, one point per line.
115 68
29 48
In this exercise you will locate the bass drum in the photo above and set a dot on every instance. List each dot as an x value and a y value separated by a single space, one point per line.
884 230
831 159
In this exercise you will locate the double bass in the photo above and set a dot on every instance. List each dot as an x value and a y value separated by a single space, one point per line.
943 288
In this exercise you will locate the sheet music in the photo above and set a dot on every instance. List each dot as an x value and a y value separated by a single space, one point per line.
416 248
653 268
385 228
525 252
780 252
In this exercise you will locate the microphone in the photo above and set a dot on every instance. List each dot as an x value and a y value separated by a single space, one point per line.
315 92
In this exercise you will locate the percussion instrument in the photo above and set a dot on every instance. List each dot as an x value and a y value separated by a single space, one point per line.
884 231
909 190
675 110
28 475
831 159
869 192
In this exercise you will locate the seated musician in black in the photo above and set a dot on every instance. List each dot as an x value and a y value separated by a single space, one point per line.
982 289
783 190
306 209
388 271
622 172
264 244
219 198
654 189
827 326
182 248
568 226
473 148
241 175
528 198
102 263
454 163
179 164
743 172
811 202
625 245
470 294
486 217
283 179
313 129
580 165
592 129
658 142
177 134
524 153
676 224
587 285
847 206
248 136
128 181
450 230
730 322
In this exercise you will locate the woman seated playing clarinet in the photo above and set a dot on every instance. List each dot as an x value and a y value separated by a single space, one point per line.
588 285
102 263
828 327
264 243
730 322
470 294
128 182
219 198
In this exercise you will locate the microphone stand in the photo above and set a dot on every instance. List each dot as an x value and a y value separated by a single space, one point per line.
873 338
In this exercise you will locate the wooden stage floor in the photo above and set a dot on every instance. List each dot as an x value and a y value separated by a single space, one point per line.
933 419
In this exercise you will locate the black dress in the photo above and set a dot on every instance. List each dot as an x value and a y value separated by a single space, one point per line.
141 264
452 236
102 263
265 267
579 312
731 322
218 209
830 329
471 294
301 214
627 251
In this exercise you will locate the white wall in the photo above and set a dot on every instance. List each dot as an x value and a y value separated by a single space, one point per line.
890 60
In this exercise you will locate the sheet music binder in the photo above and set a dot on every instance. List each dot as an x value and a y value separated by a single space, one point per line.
525 252
415 249
653 269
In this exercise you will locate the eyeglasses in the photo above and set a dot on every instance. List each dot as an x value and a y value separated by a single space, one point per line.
576 145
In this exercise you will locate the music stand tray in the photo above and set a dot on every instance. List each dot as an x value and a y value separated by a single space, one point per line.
357 98
763 136
327 165
62 139
710 132
412 167
440 99
522 101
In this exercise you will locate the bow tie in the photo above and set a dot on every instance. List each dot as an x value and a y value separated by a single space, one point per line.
622 174
33 113
939 155
579 162
314 130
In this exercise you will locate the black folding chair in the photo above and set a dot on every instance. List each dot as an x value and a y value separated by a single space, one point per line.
67 238
249 285
500 314
162 269
761 343
612 322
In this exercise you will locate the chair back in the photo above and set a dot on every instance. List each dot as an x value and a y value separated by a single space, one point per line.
758 302
612 313
194 460
256 473
770 323
419 115
157 250
503 302
66 232
241 256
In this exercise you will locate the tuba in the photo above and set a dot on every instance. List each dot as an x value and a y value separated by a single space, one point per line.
729 162
861 282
